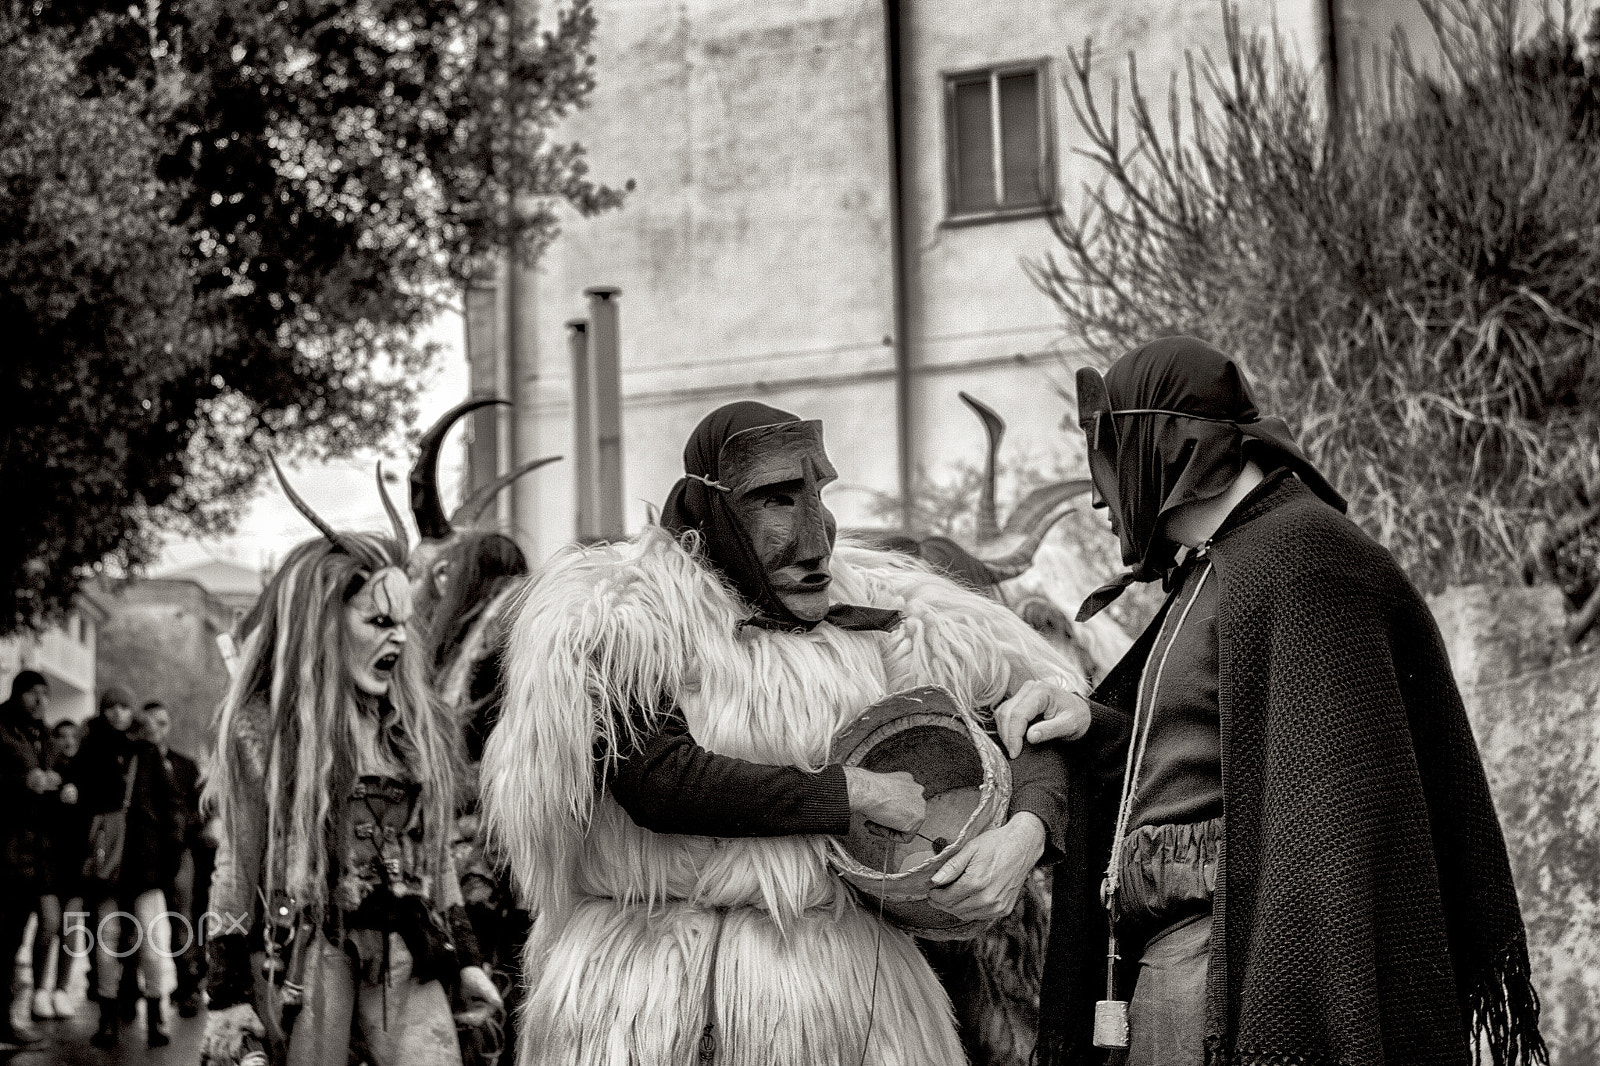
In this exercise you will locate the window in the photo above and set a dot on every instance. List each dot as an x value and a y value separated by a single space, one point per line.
999 143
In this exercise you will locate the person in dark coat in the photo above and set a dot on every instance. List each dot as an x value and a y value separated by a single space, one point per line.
473 583
1302 861
67 833
28 781
114 768
192 867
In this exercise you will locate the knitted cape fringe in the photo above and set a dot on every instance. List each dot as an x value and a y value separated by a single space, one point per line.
1504 1009
1501 1008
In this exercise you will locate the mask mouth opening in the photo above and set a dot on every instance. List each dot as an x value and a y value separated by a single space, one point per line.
386 662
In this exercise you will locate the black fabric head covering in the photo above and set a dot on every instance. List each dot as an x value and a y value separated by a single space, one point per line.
694 504
1182 424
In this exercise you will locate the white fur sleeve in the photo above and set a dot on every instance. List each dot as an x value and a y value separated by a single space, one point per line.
594 639
973 645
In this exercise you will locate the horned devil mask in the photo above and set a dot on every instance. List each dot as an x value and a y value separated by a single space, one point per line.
752 487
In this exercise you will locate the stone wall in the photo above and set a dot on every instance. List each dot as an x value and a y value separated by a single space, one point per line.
1533 705
160 642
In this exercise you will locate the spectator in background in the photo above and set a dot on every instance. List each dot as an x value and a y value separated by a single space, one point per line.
67 833
27 777
114 767
57 817
192 866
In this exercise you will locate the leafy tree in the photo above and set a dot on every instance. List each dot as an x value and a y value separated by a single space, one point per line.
100 340
1416 284
302 180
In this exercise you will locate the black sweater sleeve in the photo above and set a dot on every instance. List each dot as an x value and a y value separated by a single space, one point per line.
1039 786
670 784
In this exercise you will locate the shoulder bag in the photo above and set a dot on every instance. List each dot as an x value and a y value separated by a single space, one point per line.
108 832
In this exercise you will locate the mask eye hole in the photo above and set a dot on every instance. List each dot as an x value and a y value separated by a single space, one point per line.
778 494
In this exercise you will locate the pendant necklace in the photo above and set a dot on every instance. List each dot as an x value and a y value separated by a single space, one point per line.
1111 1013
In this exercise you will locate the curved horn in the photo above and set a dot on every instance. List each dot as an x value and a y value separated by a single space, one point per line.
994 427
392 511
305 508
426 506
1012 553
473 506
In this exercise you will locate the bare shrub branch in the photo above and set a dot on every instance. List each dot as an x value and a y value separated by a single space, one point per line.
1419 293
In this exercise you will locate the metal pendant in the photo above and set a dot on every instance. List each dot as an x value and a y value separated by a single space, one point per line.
1111 1023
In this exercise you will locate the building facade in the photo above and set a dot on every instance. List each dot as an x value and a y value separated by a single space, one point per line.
64 654
835 204
159 640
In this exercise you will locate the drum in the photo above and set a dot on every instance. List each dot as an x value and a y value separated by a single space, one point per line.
966 782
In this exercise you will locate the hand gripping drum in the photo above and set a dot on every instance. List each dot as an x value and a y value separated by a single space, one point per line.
966 781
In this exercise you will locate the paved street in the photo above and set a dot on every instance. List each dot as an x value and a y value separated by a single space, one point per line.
68 1044
67 1040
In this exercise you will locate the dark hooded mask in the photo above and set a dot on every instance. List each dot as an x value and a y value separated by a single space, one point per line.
752 487
1170 424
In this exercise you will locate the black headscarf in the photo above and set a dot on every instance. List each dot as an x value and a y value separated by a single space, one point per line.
1185 426
694 504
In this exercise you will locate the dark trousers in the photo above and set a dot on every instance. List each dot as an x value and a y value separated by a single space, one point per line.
1167 1014
190 895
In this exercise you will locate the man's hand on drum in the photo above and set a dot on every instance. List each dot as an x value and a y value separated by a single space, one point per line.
893 801
1039 711
981 882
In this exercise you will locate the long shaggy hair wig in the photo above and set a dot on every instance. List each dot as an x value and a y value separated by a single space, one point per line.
287 720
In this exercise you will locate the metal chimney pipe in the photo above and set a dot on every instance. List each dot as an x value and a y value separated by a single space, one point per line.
583 483
509 385
483 336
606 387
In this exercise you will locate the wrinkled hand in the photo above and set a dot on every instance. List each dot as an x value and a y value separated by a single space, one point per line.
69 793
982 881
894 801
1056 714
226 1030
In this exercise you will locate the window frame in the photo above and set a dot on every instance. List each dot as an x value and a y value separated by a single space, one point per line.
1043 68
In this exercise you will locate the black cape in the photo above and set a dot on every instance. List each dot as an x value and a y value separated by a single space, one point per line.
1365 911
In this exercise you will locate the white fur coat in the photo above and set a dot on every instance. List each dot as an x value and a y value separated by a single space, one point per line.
622 949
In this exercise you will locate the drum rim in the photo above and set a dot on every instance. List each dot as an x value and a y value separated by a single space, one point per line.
994 794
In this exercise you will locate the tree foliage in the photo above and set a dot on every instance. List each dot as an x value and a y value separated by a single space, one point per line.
225 221
100 341
1413 285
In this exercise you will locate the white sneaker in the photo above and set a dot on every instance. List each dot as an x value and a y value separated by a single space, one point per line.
44 1005
65 1008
